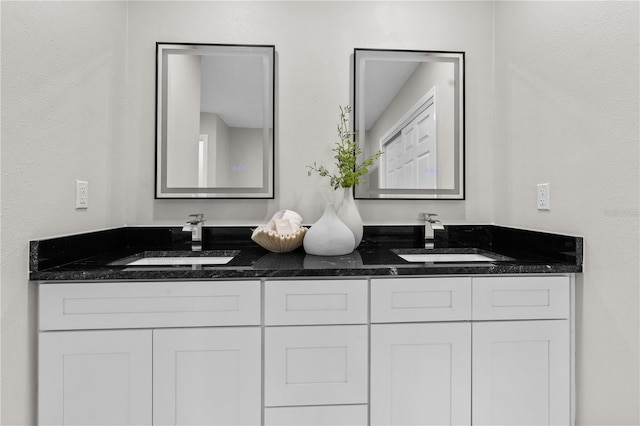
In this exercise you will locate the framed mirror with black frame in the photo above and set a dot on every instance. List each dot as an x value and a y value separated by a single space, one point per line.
215 120
410 104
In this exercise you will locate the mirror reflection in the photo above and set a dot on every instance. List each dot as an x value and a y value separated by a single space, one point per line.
410 105
215 121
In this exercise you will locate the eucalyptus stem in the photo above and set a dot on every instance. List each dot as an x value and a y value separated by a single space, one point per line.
346 151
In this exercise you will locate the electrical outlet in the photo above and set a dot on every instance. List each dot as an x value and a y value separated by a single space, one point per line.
544 197
82 194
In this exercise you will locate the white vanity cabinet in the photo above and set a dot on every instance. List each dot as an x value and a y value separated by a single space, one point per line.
156 368
491 350
436 350
316 352
420 365
522 350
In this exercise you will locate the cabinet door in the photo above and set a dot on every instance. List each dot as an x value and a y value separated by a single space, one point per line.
521 373
95 378
315 365
207 376
421 374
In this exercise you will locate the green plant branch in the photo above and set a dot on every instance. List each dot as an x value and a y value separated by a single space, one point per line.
346 152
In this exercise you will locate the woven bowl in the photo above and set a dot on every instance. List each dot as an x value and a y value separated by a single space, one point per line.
277 243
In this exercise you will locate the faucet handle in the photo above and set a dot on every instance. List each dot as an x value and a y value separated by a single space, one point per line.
196 218
428 216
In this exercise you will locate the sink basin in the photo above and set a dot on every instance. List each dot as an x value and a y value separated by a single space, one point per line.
159 261
178 258
445 257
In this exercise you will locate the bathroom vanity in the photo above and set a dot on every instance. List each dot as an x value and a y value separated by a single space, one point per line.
289 339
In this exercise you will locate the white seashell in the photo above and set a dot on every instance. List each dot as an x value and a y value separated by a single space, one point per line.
277 243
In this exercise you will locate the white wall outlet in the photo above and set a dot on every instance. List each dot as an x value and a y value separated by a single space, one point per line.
544 197
82 194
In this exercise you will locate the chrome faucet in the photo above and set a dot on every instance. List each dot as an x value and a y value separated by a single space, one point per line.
195 227
430 225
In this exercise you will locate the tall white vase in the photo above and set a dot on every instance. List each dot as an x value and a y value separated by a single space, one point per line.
349 214
329 236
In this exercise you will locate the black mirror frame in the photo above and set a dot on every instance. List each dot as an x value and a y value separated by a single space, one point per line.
460 175
268 190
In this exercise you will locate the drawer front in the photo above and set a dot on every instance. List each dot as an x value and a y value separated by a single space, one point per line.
149 304
534 297
300 302
325 415
420 299
316 365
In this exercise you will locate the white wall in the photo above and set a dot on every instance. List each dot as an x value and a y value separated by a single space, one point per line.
63 100
566 108
567 113
314 47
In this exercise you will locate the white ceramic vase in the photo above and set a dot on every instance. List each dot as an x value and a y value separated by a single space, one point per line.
349 214
329 236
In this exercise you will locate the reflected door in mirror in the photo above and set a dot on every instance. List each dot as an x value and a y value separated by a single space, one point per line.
411 158
410 105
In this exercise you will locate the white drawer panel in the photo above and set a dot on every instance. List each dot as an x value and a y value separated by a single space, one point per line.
148 304
533 297
420 299
326 415
320 365
298 302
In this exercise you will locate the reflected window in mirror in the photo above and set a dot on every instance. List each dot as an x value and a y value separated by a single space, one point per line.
214 120
410 105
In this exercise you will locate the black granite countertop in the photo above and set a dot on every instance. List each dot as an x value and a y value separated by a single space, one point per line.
103 255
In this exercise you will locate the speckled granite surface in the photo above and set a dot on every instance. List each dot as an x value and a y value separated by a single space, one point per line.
103 255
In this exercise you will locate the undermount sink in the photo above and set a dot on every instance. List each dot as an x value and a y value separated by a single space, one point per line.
445 257
158 261
178 258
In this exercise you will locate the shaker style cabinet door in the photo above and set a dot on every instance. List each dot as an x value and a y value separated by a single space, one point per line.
95 378
315 365
421 374
207 376
521 373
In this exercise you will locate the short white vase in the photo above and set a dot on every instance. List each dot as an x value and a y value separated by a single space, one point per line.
329 236
349 214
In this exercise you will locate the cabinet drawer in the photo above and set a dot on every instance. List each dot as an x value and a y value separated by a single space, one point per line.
537 297
300 302
420 299
326 415
149 304
316 365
